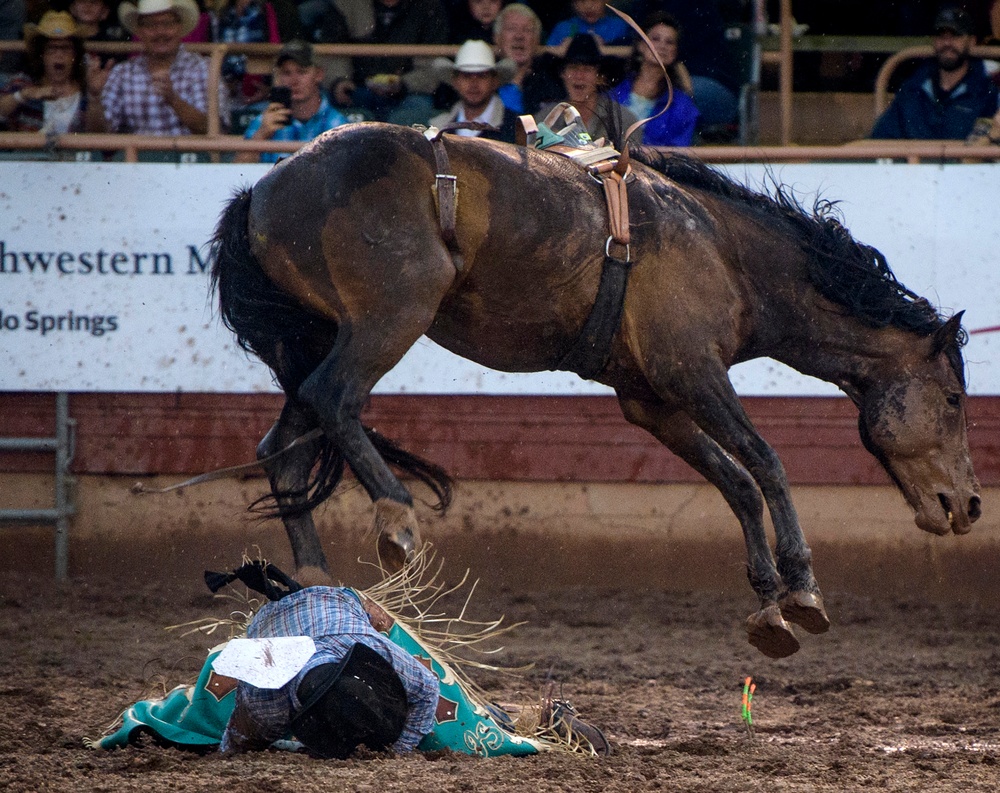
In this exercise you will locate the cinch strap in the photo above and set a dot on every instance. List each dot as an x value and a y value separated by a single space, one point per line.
591 350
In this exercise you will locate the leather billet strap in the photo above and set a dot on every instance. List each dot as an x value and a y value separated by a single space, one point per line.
446 185
446 193
617 199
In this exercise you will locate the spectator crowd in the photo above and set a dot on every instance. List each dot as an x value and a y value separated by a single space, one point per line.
515 58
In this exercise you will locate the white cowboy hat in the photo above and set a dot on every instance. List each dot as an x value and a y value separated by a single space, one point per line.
186 10
474 57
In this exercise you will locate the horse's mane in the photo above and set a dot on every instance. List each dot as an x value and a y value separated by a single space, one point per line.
846 272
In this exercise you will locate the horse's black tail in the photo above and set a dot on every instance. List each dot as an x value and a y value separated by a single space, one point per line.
267 321
435 477
232 261
330 470
273 325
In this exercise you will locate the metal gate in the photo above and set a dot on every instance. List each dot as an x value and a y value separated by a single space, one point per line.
62 447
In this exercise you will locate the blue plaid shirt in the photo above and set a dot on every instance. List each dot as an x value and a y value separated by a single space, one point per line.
336 620
327 117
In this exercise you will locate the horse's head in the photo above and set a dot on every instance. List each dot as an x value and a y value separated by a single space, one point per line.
913 420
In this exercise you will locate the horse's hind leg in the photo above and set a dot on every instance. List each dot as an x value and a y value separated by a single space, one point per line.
337 398
766 630
289 478
336 391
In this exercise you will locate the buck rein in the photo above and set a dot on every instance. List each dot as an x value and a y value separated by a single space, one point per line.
140 489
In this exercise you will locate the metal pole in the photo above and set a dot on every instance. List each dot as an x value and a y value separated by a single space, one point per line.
61 445
785 73
750 100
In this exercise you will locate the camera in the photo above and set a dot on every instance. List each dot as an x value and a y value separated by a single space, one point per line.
281 95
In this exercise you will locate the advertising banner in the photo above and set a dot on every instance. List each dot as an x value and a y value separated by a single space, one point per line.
104 276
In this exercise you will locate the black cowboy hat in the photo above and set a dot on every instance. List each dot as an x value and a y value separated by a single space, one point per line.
359 700
585 49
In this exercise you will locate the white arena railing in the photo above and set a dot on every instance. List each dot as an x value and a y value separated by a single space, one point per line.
912 151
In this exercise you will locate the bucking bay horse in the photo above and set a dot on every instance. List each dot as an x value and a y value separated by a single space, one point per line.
335 263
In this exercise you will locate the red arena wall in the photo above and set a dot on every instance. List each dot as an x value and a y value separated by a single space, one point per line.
523 438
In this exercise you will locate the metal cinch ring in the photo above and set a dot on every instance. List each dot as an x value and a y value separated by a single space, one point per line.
607 250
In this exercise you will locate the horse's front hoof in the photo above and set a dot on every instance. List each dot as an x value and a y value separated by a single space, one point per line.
392 556
769 633
806 610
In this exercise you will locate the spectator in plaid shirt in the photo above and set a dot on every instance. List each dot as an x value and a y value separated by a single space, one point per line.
164 91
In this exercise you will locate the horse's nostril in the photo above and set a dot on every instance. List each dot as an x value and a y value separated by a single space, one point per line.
975 508
946 506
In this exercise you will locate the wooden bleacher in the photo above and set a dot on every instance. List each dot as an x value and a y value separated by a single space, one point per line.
784 118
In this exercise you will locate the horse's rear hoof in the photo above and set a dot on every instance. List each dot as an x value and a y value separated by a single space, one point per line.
769 633
398 534
806 610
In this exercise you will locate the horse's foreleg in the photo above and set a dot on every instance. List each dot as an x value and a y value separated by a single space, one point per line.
717 410
289 478
766 629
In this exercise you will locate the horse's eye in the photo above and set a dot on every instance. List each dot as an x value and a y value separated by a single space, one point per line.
954 400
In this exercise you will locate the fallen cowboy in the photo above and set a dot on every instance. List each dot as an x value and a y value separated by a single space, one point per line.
327 669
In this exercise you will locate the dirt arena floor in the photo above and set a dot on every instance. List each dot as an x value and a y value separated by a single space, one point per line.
902 694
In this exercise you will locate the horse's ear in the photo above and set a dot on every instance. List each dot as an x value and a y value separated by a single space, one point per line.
947 334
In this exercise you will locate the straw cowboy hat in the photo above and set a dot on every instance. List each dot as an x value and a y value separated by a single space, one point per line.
52 25
186 10
474 57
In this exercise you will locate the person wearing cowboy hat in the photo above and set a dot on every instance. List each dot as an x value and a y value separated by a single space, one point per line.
475 75
164 91
584 70
52 97
358 687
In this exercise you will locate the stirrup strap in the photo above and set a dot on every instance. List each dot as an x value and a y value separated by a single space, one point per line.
526 133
